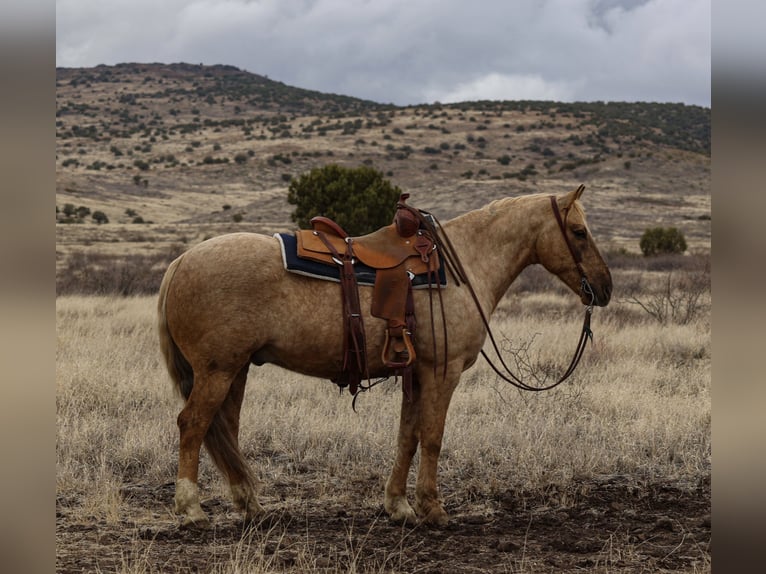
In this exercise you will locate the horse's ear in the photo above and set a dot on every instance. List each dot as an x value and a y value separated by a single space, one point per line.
571 197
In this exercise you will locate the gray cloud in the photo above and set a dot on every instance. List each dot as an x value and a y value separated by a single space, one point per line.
414 51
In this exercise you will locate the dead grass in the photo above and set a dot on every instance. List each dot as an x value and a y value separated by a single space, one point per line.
639 405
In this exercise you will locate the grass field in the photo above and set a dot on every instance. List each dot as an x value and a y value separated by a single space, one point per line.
637 414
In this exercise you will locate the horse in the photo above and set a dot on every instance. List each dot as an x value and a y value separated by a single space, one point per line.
228 303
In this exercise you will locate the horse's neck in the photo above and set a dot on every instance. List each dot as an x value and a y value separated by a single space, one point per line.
495 244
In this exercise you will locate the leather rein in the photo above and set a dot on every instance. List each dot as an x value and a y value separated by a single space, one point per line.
454 264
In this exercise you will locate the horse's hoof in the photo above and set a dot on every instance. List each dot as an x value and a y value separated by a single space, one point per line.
400 511
189 523
436 517
406 517
255 513
195 519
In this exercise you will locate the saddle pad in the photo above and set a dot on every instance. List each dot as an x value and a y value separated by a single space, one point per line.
365 275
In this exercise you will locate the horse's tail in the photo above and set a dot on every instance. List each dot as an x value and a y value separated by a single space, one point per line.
180 370
220 441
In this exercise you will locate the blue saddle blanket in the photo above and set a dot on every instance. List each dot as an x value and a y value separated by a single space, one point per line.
364 275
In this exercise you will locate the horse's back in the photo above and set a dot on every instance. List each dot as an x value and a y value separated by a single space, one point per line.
230 255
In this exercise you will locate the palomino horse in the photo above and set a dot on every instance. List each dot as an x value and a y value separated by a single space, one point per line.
228 303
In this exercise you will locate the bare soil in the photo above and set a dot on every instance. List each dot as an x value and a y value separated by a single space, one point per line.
609 524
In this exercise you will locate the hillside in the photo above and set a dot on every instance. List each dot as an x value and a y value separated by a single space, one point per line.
173 154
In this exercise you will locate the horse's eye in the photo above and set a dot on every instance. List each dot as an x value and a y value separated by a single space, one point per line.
580 233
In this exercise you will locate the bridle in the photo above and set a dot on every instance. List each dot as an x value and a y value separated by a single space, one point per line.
453 262
584 285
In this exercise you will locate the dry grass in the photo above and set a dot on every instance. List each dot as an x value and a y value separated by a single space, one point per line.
639 405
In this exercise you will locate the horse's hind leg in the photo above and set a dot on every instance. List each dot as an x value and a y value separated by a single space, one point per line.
194 421
244 486
396 487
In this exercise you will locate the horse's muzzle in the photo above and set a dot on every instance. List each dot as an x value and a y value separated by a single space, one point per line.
605 295
598 294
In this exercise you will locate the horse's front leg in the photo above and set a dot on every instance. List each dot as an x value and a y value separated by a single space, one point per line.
396 487
435 395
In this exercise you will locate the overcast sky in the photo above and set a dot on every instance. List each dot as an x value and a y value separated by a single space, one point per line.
414 51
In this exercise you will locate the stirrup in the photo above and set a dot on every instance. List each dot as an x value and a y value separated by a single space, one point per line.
407 354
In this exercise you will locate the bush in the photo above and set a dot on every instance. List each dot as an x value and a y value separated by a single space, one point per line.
100 217
359 199
680 300
656 240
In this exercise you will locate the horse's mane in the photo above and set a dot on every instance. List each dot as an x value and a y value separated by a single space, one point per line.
505 203
498 203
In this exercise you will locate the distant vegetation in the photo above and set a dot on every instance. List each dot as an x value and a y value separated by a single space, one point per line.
360 200
659 240
676 125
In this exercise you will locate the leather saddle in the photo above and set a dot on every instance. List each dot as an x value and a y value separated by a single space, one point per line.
397 252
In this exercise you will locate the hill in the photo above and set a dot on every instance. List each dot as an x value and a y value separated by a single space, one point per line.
175 153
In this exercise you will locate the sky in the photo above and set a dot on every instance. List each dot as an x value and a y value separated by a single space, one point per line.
415 51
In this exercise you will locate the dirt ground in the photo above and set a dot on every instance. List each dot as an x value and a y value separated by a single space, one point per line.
613 524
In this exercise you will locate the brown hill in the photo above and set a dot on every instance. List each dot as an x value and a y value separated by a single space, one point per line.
177 153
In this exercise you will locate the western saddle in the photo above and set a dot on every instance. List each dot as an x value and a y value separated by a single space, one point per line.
397 252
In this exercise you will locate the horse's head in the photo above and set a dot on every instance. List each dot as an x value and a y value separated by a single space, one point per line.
565 247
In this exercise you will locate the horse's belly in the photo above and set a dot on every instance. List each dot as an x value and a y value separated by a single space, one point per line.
316 348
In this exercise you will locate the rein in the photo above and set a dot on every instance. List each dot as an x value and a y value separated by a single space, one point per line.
453 263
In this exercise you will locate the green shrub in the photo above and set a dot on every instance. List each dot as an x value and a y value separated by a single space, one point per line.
657 240
359 199
100 217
